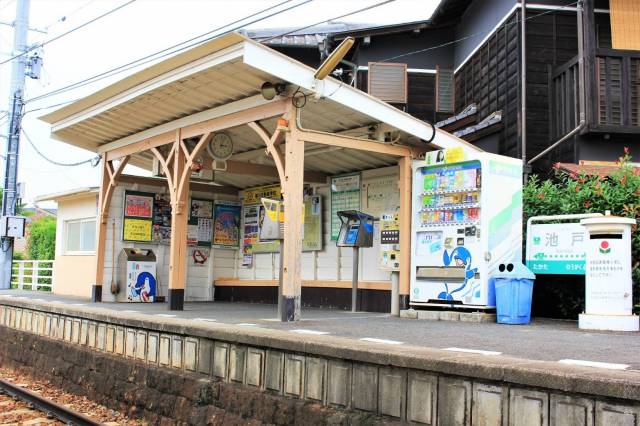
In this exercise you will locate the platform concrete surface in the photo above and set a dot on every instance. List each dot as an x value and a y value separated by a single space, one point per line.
542 340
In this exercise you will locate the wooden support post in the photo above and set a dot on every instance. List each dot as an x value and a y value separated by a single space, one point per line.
108 182
179 217
178 179
405 186
101 238
293 210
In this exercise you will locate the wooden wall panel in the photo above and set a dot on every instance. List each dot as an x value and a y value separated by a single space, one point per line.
491 80
551 42
625 24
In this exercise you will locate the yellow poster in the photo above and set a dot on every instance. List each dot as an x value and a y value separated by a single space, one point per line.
137 229
255 195
454 155
312 236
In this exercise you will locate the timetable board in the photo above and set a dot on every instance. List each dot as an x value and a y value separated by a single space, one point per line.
345 195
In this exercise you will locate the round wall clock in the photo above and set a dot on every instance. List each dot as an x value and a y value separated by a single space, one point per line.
220 147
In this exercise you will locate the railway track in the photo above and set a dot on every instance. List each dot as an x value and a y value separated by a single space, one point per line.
23 407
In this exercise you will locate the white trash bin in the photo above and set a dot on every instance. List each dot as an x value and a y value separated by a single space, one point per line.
138 272
608 283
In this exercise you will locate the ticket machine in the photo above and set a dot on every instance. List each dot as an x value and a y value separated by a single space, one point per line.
390 254
356 231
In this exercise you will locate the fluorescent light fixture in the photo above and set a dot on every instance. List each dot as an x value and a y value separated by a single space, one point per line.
332 60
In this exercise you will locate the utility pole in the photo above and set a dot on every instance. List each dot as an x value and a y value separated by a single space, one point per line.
16 104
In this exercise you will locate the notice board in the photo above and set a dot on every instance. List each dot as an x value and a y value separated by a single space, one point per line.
200 230
137 216
345 195
253 217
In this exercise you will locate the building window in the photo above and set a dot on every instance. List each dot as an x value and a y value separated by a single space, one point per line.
80 236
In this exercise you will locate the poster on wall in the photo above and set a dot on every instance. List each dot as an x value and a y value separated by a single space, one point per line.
252 201
263 246
192 235
253 214
226 224
137 216
162 218
250 228
136 229
200 217
201 209
312 223
345 195
199 256
380 195
255 195
138 204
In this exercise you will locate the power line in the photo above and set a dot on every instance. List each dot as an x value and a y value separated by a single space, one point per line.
331 19
449 43
7 5
137 62
94 161
165 52
67 33
51 106
64 17
153 57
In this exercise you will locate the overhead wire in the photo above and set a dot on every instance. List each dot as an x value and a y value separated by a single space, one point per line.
153 57
66 16
7 4
449 43
94 161
120 68
331 19
44 43
168 50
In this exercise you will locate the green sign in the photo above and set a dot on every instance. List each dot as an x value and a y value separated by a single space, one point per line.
557 248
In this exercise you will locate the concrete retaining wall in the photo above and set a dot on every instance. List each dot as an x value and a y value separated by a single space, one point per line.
410 384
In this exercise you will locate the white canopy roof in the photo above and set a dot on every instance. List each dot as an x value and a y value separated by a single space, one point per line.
222 76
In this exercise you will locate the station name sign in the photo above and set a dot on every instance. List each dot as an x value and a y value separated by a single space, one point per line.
556 248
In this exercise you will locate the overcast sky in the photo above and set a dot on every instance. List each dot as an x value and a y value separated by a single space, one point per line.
136 30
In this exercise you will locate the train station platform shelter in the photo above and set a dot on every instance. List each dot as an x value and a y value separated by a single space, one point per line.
312 129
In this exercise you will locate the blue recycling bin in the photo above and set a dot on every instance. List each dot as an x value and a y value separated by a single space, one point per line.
514 293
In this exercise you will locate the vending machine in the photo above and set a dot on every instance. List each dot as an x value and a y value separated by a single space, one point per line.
467 219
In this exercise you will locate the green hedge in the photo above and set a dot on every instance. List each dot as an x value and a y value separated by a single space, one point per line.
41 242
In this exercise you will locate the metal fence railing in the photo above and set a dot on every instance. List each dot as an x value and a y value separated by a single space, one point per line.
35 275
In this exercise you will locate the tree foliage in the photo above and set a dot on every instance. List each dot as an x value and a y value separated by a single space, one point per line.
41 242
571 194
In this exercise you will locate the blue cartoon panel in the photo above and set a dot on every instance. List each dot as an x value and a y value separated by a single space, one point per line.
141 281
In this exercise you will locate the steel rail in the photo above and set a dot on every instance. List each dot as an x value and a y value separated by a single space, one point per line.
47 406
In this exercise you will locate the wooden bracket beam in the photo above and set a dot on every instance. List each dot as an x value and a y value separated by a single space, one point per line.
238 118
110 175
138 147
264 170
194 186
272 148
343 141
189 160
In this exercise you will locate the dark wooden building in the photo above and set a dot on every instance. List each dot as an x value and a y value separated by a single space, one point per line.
464 69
